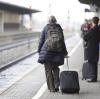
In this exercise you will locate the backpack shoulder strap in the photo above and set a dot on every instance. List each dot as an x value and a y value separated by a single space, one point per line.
58 25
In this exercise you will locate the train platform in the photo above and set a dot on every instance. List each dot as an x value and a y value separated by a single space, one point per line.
88 90
26 79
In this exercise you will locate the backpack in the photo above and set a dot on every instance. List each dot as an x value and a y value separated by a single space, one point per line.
54 38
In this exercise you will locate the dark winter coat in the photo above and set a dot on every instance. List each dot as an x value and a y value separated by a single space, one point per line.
46 56
92 49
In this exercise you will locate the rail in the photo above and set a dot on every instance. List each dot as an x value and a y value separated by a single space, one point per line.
13 45
8 38
18 49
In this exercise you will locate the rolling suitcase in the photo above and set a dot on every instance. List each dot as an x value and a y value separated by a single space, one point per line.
69 81
89 71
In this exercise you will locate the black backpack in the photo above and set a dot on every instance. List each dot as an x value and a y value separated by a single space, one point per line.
54 38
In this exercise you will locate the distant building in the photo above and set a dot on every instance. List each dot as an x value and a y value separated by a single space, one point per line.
11 17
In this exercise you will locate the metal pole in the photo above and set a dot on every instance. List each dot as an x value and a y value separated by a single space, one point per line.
49 7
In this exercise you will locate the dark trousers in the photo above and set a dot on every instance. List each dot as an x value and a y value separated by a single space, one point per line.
52 75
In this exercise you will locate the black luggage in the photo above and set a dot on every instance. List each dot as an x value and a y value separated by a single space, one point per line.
69 81
89 71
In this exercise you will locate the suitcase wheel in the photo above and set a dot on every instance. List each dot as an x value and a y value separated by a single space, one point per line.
83 78
77 92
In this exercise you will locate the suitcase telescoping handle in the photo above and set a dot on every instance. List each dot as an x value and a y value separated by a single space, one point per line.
67 62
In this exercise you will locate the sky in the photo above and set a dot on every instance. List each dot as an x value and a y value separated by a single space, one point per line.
64 10
59 8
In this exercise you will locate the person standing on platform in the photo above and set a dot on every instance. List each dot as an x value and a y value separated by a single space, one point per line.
92 37
52 51
84 30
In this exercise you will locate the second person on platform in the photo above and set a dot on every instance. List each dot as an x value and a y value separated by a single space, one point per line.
92 50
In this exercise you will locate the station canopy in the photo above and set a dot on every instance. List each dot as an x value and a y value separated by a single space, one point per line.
16 9
93 2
